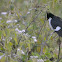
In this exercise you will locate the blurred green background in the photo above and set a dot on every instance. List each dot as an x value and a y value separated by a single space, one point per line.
25 35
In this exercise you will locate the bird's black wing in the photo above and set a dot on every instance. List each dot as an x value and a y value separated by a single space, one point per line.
56 21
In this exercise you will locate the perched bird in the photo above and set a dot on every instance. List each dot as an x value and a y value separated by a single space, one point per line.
55 23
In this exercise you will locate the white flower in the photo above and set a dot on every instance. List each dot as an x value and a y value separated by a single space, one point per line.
33 57
28 12
15 20
33 37
19 32
8 26
10 38
35 8
1 56
3 13
0 18
17 24
40 60
23 30
18 49
9 21
3 39
26 34
35 40
16 29
22 52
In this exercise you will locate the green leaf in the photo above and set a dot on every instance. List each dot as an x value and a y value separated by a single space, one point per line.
16 40
0 34
39 1
29 46
44 38
42 20
3 59
4 33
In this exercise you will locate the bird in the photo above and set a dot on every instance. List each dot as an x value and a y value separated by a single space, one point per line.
55 23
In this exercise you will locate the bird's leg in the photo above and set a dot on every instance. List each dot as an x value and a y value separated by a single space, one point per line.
59 43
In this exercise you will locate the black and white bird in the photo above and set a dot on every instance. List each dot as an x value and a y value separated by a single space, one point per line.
55 23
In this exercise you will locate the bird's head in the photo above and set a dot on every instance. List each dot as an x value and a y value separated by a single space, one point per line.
49 15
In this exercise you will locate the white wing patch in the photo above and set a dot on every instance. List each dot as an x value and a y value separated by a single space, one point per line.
57 28
50 23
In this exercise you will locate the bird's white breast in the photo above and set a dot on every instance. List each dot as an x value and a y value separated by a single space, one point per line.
50 23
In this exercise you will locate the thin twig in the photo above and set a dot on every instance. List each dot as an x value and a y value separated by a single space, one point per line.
40 30
33 20
59 43
44 6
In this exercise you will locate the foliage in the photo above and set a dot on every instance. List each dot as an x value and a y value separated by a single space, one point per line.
25 36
